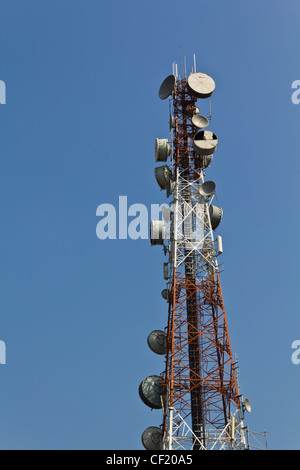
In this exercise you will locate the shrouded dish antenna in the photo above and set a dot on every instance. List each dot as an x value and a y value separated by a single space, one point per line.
172 122
157 342
165 294
163 175
205 143
200 121
200 85
247 404
167 87
215 214
170 187
152 438
162 150
150 391
207 189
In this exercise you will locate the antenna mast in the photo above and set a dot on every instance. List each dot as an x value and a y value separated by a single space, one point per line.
198 391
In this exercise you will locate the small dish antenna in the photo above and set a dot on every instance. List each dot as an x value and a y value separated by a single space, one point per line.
207 189
200 121
152 438
172 122
247 405
150 391
170 187
167 87
215 214
157 342
165 294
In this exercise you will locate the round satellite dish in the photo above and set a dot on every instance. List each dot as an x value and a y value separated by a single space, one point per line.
207 189
163 175
165 294
172 122
247 405
200 85
152 438
150 391
157 232
162 150
157 342
215 214
167 87
200 121
205 143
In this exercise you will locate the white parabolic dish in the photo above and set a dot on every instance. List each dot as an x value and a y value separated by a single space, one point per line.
201 85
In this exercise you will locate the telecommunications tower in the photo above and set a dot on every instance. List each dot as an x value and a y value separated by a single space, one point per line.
198 392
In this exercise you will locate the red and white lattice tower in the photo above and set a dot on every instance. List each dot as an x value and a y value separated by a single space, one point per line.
198 391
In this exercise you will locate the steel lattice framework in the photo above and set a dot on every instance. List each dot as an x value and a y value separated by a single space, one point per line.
199 380
202 406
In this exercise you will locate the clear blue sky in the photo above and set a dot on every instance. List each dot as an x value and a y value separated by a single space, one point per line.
77 131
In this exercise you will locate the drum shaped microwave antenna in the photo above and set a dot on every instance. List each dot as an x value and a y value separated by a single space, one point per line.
205 143
167 87
162 150
163 175
200 85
